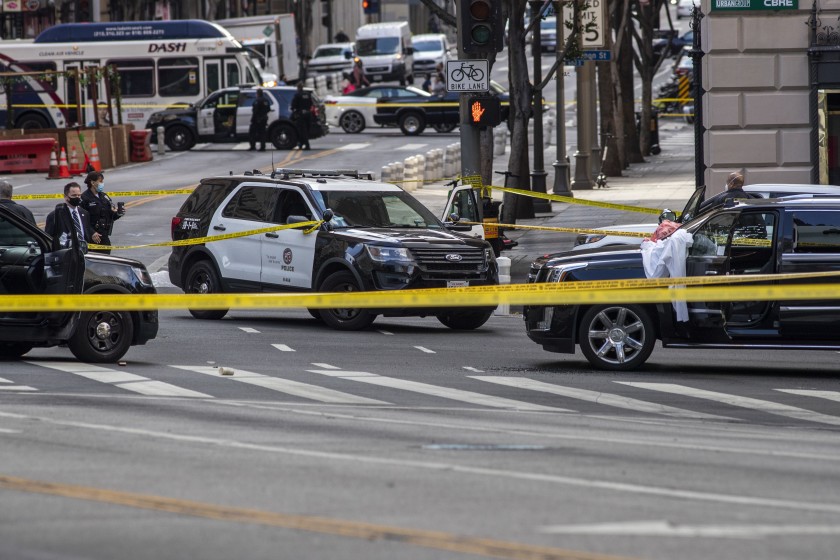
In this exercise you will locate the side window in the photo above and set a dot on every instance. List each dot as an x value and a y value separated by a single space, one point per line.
291 203
816 231
137 77
464 205
37 84
251 203
232 72
212 101
12 236
178 76
754 229
710 238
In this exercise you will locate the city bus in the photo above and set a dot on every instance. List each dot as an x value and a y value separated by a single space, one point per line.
160 64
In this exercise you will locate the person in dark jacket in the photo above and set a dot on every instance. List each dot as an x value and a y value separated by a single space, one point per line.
69 219
302 115
7 202
734 189
259 121
102 212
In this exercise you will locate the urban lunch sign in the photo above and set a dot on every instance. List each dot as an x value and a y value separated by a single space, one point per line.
754 5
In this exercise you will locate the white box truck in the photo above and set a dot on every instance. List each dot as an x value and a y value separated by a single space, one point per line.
271 40
386 51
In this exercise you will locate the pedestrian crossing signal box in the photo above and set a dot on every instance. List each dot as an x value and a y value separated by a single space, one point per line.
485 110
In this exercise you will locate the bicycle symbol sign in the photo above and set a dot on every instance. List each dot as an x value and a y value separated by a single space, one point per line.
467 75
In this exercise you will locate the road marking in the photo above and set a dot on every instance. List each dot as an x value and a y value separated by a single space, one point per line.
283 348
122 379
426 350
249 330
436 391
18 388
769 407
368 532
387 333
410 147
355 146
597 397
668 529
4 380
23 185
475 370
199 146
7 431
242 146
287 386
829 395
324 366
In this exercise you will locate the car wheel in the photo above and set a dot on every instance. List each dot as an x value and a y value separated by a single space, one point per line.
13 350
412 124
202 279
410 79
179 138
344 319
31 121
465 320
316 314
352 122
444 128
616 337
102 336
403 80
283 136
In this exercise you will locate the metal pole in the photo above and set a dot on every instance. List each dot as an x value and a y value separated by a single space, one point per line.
696 55
538 174
583 170
595 153
561 163
470 135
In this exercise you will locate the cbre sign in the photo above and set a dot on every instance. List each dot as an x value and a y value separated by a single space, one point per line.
753 5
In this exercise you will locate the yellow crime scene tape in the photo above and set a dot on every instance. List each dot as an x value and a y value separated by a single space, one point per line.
562 229
111 194
571 200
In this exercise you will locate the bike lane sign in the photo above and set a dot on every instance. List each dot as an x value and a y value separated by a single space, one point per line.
467 76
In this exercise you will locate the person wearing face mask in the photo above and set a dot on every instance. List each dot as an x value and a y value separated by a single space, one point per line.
101 210
69 219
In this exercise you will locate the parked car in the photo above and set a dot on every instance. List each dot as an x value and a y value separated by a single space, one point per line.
672 43
354 111
685 7
548 34
28 265
759 190
430 50
225 116
756 236
374 236
331 58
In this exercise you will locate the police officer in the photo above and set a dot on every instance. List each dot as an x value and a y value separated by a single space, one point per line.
259 121
100 209
302 115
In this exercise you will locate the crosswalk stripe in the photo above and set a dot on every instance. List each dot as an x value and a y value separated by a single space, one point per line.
828 395
436 391
18 388
249 330
355 146
242 146
283 348
769 407
597 397
122 379
287 386
410 147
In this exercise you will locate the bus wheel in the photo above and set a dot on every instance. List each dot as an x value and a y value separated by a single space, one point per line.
32 121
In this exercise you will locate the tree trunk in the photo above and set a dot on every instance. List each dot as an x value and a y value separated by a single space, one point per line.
632 153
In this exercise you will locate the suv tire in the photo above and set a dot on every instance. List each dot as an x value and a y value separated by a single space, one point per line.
179 138
352 122
412 123
616 337
202 279
284 136
465 320
344 319
13 350
102 336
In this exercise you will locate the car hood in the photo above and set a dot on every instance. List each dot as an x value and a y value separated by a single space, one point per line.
177 112
611 253
409 237
112 260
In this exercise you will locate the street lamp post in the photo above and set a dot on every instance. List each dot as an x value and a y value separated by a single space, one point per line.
561 163
583 170
538 174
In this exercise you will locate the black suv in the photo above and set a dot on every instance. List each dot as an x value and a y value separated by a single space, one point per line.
29 266
759 236
375 236
225 116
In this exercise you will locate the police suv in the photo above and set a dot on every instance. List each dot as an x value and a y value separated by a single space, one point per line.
374 236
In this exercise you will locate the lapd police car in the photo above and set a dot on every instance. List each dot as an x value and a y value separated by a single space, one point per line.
375 236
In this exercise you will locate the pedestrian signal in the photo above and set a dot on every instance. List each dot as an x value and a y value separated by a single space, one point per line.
485 110
370 6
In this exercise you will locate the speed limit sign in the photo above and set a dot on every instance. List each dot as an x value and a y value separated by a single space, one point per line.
595 12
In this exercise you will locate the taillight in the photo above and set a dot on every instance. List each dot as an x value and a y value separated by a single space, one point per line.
314 110
176 221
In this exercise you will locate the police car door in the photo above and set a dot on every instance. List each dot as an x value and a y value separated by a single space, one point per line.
205 124
464 201
708 256
288 255
243 113
249 207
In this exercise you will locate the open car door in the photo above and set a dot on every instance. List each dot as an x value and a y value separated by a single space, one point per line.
464 202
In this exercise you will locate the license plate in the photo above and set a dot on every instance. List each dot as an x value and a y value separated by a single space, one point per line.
457 283
377 78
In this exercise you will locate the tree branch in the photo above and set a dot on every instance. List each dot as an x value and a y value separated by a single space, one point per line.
445 17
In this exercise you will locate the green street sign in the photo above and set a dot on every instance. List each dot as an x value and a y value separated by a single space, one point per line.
753 5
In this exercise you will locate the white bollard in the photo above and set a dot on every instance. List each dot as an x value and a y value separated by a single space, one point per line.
548 129
430 173
385 174
408 173
161 141
309 83
504 278
420 172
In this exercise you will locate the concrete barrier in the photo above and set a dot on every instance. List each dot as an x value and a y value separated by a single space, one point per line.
321 86
504 278
397 172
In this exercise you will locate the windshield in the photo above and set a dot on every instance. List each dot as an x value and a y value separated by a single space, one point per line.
548 24
328 51
428 45
383 45
693 205
253 74
376 209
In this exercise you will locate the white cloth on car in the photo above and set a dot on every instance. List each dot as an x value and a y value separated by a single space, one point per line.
666 259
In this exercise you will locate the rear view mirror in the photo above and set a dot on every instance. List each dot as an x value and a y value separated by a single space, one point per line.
328 215
667 215
297 219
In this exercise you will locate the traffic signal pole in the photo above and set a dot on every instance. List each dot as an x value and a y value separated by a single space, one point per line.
470 134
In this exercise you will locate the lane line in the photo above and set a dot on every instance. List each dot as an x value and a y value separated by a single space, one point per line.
249 330
286 386
324 366
122 379
426 350
386 333
475 370
242 146
769 407
283 348
410 147
18 388
354 146
598 397
829 395
665 528
437 391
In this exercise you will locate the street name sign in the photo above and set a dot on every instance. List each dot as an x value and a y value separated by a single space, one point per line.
753 5
596 56
467 76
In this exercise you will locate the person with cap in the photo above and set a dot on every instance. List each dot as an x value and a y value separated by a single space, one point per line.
7 202
259 121
102 212
69 219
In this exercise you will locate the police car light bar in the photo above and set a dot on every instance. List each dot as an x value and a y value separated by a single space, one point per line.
320 173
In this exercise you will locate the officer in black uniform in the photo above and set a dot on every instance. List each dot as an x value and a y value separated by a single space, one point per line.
302 115
259 121
102 212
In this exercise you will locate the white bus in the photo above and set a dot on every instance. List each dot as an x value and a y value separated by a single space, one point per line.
160 63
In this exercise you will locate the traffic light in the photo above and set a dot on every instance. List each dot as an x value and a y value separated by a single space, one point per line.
370 6
326 16
482 28
485 110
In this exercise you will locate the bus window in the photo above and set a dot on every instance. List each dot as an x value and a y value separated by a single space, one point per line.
232 72
212 75
137 77
178 77
37 84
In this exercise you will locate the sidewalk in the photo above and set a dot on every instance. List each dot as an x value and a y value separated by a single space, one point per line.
662 181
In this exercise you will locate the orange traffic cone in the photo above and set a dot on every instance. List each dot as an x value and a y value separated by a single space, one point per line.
74 162
64 171
54 173
94 158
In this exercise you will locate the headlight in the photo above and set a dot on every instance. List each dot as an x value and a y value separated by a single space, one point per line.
142 275
584 239
383 254
155 118
558 273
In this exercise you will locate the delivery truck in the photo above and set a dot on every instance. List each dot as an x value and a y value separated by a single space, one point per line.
271 40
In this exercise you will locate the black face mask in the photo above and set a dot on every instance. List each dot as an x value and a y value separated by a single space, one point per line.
74 201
